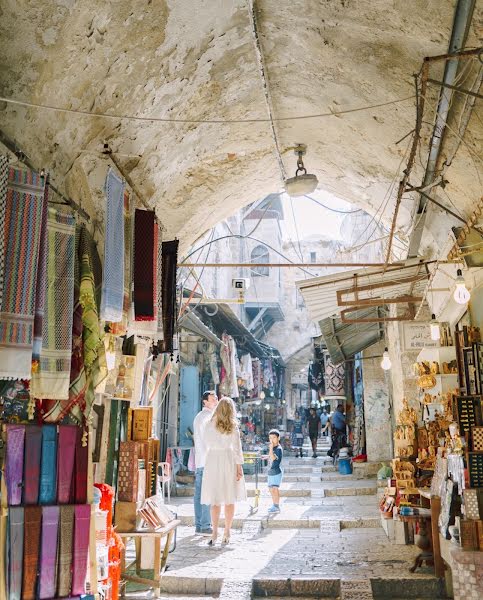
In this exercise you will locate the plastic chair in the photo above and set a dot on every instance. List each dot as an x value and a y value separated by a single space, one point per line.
165 479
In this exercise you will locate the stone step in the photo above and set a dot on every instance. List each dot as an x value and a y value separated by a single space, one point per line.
286 478
351 491
278 522
188 491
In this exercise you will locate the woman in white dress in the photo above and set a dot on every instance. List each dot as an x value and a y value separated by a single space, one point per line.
223 481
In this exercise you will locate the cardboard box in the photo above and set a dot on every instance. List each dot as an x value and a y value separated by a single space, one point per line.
125 517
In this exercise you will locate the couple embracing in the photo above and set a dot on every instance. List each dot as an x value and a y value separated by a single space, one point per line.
219 466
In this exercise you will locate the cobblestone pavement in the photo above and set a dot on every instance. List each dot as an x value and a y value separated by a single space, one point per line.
326 545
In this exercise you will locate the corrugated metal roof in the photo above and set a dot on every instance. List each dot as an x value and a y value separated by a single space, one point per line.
343 340
194 324
329 295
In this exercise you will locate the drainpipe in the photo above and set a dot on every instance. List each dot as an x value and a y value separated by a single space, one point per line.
461 24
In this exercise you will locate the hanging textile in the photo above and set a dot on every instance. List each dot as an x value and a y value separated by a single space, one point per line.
334 377
81 467
82 516
15 551
169 270
257 376
247 371
51 378
159 286
21 219
48 552
3 211
145 254
14 463
66 539
41 285
33 521
48 465
65 462
234 393
229 384
120 328
215 375
33 448
113 273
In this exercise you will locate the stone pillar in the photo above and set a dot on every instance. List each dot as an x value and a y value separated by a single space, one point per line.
377 414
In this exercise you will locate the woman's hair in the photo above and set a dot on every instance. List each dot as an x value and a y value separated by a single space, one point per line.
224 416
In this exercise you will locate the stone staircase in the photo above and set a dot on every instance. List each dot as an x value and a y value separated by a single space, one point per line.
327 542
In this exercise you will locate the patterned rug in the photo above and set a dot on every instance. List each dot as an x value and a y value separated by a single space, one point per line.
169 272
113 274
3 210
41 286
51 379
21 217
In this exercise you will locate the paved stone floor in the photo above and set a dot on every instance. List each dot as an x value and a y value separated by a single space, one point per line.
325 544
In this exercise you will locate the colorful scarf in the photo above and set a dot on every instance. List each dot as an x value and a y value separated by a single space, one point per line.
51 379
3 211
120 328
113 274
41 286
92 334
21 218
145 254
169 271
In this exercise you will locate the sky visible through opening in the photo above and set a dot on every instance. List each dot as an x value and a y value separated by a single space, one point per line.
312 219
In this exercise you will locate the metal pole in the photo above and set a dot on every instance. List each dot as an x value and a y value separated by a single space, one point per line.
288 265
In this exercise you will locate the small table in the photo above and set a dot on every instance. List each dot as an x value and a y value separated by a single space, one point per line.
160 556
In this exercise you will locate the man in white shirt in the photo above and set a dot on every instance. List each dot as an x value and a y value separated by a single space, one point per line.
202 511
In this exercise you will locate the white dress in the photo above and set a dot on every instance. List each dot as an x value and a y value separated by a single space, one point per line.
223 454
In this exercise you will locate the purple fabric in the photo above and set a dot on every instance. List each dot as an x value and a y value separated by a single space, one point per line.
81 547
48 551
15 554
14 463
33 445
65 462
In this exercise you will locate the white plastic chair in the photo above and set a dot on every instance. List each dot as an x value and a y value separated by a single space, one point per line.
165 479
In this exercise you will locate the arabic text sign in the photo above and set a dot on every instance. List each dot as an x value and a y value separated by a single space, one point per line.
417 336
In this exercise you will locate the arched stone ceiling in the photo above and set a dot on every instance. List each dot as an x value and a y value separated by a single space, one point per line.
196 59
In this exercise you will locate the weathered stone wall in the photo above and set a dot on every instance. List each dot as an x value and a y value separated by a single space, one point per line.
377 412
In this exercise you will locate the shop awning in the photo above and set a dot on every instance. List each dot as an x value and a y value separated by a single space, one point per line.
194 324
221 318
344 294
344 340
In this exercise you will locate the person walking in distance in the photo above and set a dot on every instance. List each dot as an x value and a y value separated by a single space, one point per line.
313 426
297 435
338 423
223 481
202 511
324 419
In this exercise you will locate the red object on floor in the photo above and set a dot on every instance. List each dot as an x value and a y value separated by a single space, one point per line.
360 458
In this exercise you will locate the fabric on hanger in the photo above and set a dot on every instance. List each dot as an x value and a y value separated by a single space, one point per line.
3 212
169 271
81 548
48 552
15 551
65 462
81 467
51 379
21 220
41 285
33 521
33 448
48 465
144 263
14 463
113 273
66 540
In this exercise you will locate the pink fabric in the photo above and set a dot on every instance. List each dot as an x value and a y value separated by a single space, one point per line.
81 548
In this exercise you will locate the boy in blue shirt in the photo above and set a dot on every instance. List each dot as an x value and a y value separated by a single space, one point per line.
275 473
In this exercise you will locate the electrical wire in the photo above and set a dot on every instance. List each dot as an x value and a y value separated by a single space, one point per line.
197 121
335 210
300 253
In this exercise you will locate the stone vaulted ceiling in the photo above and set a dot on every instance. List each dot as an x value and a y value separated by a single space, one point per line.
196 59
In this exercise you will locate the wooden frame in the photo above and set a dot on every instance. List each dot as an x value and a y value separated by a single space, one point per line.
375 286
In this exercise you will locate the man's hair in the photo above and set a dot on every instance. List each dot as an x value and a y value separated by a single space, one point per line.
207 394
340 407
274 432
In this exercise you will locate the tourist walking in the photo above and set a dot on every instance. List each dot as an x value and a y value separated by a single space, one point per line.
223 481
313 429
339 438
324 419
202 511
297 435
